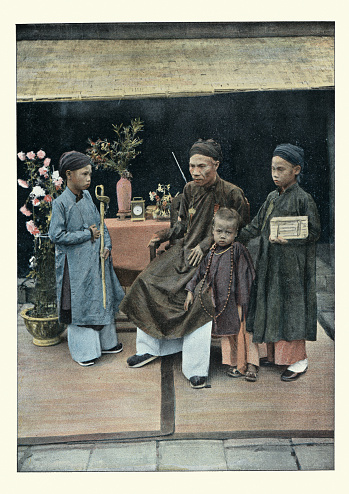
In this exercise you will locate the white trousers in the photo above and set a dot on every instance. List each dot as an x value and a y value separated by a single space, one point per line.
299 366
195 348
87 344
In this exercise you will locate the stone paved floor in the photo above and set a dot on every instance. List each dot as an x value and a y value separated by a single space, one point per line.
181 455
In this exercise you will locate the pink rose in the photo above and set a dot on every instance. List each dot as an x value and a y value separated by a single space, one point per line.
41 154
21 156
35 201
47 162
23 183
31 155
48 198
32 228
58 182
43 171
25 211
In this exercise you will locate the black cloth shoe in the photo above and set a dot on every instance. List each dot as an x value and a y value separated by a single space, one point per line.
116 349
140 360
289 375
264 362
87 363
197 382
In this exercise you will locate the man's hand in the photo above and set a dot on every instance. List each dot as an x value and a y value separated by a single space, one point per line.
95 232
195 256
154 241
106 253
277 240
188 301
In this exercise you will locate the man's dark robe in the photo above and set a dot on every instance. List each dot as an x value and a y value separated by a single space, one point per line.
283 296
155 301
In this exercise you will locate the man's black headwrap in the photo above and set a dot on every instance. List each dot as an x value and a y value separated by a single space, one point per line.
207 148
72 160
291 153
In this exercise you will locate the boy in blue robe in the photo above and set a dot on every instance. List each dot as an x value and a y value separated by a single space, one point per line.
75 231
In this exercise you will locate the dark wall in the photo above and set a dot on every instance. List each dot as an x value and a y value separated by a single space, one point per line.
248 125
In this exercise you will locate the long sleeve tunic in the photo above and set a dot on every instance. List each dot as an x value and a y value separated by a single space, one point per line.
69 231
155 301
218 277
283 296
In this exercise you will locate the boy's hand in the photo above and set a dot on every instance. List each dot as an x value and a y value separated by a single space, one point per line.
106 253
95 232
195 256
188 301
278 240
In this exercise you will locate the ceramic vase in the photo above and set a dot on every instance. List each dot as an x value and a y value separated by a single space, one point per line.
45 331
124 195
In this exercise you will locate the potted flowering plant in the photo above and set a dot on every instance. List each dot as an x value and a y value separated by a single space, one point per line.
163 202
43 186
116 156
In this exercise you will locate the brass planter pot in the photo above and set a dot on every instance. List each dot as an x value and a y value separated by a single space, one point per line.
46 331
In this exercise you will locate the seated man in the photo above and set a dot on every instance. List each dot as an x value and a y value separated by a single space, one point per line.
155 302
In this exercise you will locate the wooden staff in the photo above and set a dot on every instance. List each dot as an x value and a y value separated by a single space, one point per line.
103 200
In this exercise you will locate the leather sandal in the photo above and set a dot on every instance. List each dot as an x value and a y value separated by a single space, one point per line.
251 373
234 372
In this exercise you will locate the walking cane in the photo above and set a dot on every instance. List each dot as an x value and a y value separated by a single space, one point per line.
103 200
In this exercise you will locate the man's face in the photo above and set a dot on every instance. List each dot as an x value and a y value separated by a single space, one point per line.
203 169
80 179
284 173
224 232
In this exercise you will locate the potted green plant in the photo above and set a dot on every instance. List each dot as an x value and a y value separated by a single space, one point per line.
43 186
116 156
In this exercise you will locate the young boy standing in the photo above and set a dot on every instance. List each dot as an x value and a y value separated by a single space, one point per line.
228 271
283 310
75 231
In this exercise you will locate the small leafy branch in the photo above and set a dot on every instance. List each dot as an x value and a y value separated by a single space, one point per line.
117 155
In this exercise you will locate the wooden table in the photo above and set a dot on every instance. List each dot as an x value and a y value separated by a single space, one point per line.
130 249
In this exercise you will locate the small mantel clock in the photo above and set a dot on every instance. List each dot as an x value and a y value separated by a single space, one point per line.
137 209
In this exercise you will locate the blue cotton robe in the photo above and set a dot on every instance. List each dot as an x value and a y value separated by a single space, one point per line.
69 231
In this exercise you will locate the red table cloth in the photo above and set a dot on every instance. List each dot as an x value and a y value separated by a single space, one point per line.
130 249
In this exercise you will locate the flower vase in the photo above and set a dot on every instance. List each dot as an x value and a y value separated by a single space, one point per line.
161 217
124 194
41 320
46 331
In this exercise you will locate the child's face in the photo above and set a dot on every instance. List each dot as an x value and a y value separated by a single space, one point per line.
284 173
78 180
224 232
